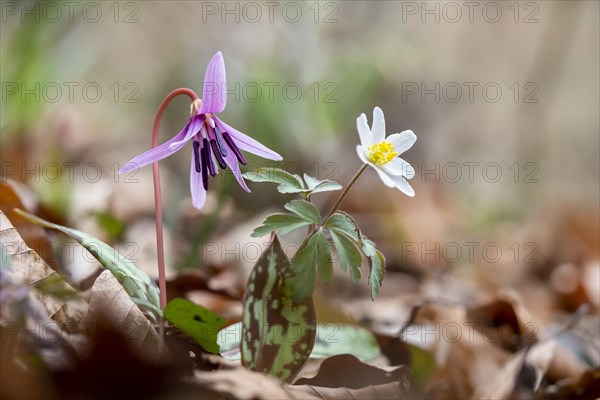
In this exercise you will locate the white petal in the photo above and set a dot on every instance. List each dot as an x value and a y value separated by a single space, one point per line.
363 130
361 154
399 167
402 141
402 184
385 178
378 128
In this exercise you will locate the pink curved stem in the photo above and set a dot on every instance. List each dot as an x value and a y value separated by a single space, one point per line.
162 283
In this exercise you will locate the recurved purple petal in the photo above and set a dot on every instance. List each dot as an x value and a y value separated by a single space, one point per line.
159 152
214 88
196 188
246 143
194 126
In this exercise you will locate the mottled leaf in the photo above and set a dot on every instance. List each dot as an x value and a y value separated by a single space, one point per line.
278 334
288 183
135 281
198 322
332 339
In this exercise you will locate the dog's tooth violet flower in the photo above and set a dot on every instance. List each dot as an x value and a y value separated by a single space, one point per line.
213 141
382 153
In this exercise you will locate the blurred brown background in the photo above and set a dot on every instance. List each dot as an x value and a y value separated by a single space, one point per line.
503 97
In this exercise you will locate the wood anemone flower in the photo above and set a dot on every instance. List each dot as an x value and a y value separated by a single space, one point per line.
215 144
382 153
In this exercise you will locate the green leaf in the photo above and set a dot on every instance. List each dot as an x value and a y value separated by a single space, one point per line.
316 186
304 266
198 322
281 223
136 282
113 226
323 258
342 223
332 339
326 186
304 210
314 254
377 264
278 334
349 255
311 182
288 183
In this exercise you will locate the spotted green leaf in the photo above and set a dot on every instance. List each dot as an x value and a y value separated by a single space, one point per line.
136 282
278 334
280 223
198 322
332 339
288 183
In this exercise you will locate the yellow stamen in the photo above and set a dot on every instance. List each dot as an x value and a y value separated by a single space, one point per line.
382 153
195 106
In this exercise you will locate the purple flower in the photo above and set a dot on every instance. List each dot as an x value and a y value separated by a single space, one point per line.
215 144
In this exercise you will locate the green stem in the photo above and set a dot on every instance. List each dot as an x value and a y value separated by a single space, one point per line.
346 190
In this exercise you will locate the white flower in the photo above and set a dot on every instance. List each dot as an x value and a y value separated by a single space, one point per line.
382 153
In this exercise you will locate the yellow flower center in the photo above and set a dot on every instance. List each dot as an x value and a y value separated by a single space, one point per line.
382 153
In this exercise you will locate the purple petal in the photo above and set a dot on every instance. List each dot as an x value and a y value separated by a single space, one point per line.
159 152
198 191
194 127
246 143
232 162
214 89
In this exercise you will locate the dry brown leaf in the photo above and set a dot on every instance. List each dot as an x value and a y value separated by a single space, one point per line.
28 267
243 384
110 299
521 375
347 371
33 235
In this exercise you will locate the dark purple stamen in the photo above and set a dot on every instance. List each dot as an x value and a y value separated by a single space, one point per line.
197 155
209 161
220 142
217 153
234 148
204 158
